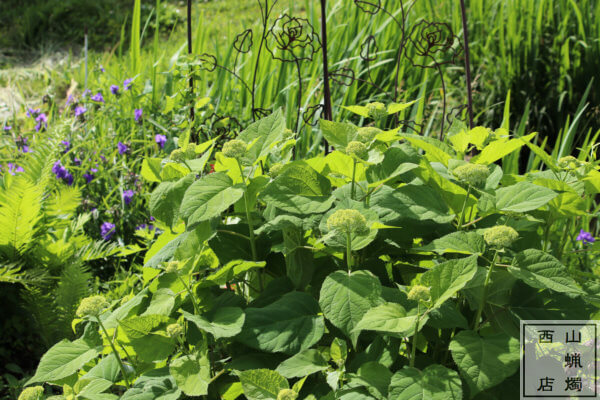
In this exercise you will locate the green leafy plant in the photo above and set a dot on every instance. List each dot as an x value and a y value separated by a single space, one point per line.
402 275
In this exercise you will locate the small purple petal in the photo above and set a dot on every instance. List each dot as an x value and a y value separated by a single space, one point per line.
80 110
98 97
160 140
123 148
138 114
128 196
107 230
127 84
114 89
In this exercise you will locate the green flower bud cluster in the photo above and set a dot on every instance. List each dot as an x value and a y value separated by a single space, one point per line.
500 236
177 155
377 110
367 134
174 330
419 293
234 149
32 393
92 306
473 174
275 170
348 221
287 394
569 162
172 267
190 151
357 150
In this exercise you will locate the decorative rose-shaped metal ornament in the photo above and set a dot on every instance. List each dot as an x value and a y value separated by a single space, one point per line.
243 42
369 49
292 39
433 41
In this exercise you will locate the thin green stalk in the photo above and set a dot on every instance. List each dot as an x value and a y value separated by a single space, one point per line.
349 252
115 352
462 212
353 180
189 290
247 207
413 347
485 290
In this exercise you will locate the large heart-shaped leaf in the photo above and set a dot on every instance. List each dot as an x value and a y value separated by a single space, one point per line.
542 271
390 318
209 197
222 323
433 383
457 242
303 364
484 361
166 199
345 298
262 384
288 325
192 374
262 135
523 197
447 278
299 190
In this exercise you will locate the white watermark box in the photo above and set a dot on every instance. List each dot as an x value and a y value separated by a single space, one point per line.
559 359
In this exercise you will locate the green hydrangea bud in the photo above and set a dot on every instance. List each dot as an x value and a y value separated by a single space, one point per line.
275 170
500 236
473 174
569 162
190 151
174 330
348 221
419 293
234 148
367 134
177 155
92 306
32 393
287 394
377 110
172 267
357 150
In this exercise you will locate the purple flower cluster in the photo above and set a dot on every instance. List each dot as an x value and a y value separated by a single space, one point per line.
107 230
22 144
123 148
128 196
114 89
7 128
127 84
14 168
62 173
89 176
98 97
160 140
137 113
585 237
42 122
80 110
66 144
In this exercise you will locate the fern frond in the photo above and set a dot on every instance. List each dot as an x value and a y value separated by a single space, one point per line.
63 202
11 273
19 214
38 301
72 287
96 250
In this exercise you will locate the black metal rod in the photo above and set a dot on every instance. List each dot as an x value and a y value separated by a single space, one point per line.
467 62
327 110
189 38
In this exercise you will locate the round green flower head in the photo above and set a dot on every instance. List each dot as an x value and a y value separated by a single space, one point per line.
419 293
569 162
357 150
177 155
377 110
234 148
92 306
348 221
32 393
174 330
367 134
287 394
172 266
473 174
275 170
500 236
190 151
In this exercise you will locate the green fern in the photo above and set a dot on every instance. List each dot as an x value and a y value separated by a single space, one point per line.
72 287
20 212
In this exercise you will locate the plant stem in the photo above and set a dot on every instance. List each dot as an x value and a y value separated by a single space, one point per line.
187 288
413 347
349 252
484 294
115 352
247 207
353 179
462 212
